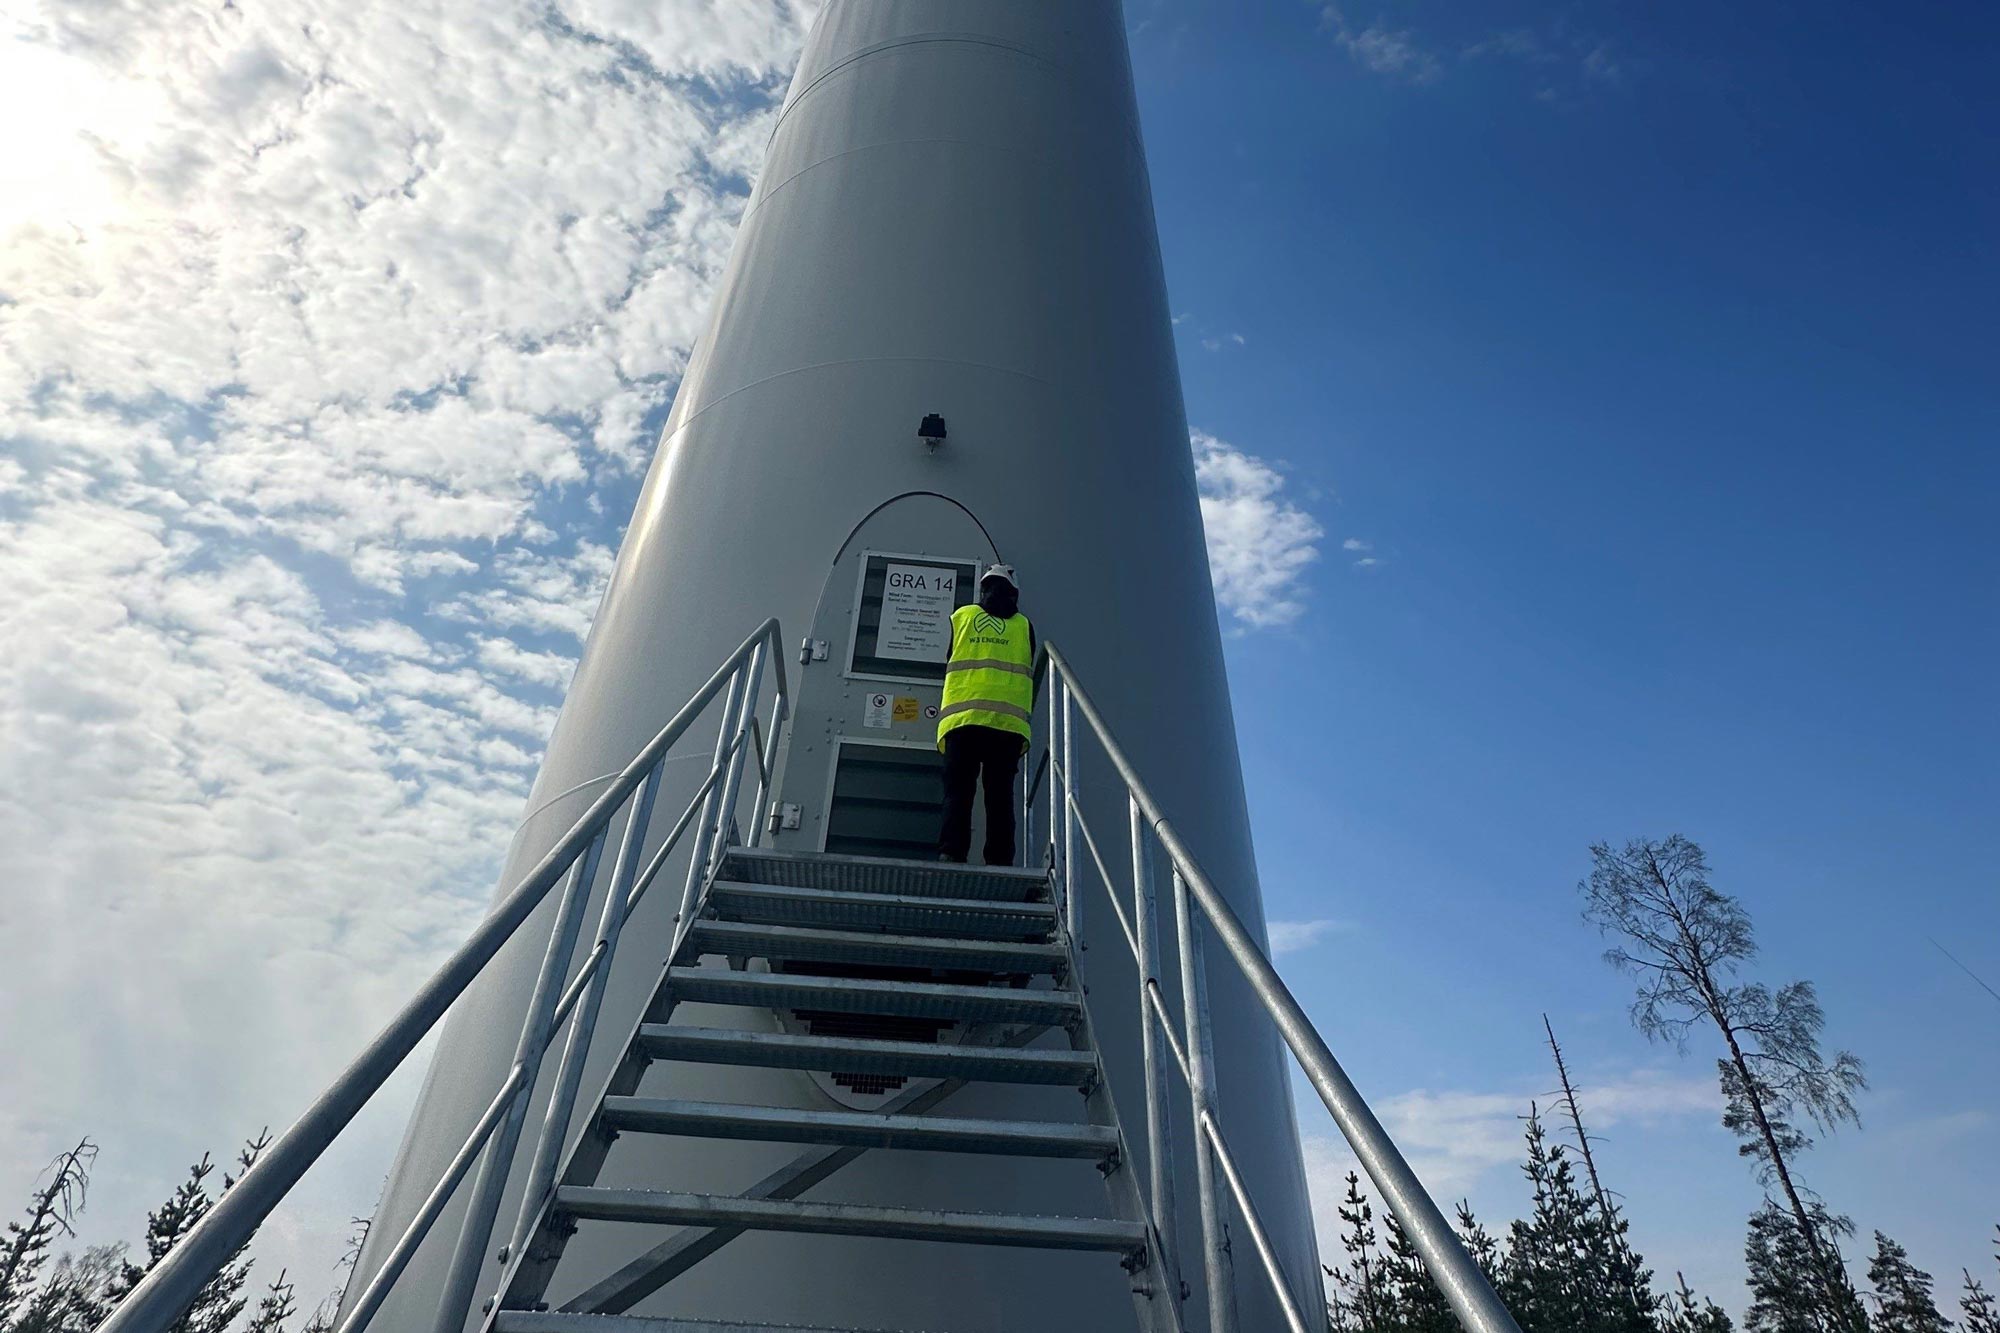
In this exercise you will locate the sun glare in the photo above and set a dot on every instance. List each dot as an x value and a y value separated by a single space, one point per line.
61 112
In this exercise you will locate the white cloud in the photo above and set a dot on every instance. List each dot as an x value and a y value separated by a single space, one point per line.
1294 936
1394 52
1454 1139
510 658
314 322
1260 543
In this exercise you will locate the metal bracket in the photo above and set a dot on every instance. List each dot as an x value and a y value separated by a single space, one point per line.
784 815
812 650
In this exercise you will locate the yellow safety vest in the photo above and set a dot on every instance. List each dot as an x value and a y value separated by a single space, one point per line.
990 680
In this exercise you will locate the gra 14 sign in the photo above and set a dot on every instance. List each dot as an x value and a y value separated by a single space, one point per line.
917 602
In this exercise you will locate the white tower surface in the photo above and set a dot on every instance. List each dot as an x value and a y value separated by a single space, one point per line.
954 217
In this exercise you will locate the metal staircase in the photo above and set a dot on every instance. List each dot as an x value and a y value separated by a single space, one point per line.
860 966
849 936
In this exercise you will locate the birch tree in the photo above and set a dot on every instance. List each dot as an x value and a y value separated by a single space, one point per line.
52 1210
1686 944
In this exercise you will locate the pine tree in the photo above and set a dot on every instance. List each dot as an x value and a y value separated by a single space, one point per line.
1679 1314
1684 941
1902 1292
1479 1243
1417 1304
1980 1314
1789 1293
1547 1278
279 1303
1362 1287
221 1300
24 1248
1339 1315
1625 1271
78 1294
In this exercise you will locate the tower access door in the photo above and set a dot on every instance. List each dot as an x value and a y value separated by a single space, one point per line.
861 775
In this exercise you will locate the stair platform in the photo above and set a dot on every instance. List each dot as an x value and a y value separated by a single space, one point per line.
874 874
862 1055
538 1321
743 939
959 918
860 1129
857 995
1030 1231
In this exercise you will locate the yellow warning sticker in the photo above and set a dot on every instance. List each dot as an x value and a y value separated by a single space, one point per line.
906 708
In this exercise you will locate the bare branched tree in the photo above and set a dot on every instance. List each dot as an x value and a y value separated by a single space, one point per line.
1685 942
51 1212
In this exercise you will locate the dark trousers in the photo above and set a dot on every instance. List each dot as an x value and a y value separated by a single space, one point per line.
979 755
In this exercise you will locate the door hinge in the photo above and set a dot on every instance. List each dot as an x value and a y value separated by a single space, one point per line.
812 650
784 815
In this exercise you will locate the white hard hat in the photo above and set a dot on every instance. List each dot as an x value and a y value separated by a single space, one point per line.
1004 573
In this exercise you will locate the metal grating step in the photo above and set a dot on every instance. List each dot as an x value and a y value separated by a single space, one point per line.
859 1055
853 1219
856 995
861 1129
799 944
538 1321
872 874
960 918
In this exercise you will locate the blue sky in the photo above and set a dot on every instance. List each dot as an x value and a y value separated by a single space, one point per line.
1650 352
1594 412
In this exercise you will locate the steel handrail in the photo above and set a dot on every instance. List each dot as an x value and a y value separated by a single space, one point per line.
166 1292
1463 1285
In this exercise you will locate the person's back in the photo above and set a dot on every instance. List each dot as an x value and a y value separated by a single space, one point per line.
985 723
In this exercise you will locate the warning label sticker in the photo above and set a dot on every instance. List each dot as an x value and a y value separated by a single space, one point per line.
876 712
905 709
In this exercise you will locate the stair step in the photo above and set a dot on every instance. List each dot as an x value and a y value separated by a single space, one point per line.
860 995
860 1129
874 874
538 1321
593 1203
962 918
860 1055
796 944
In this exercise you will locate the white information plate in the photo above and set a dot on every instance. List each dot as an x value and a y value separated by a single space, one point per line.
875 713
916 613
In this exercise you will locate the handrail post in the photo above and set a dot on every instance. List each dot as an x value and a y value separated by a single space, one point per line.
1070 905
746 709
1159 1129
1464 1286
1052 761
698 855
1201 1095
468 1260
768 770
583 1022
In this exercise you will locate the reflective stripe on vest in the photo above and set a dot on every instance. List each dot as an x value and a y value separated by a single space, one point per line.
990 679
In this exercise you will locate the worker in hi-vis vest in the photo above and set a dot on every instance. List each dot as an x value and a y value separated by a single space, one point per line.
984 723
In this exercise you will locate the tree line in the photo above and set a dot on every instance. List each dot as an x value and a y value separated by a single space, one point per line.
41 1292
1569 1265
